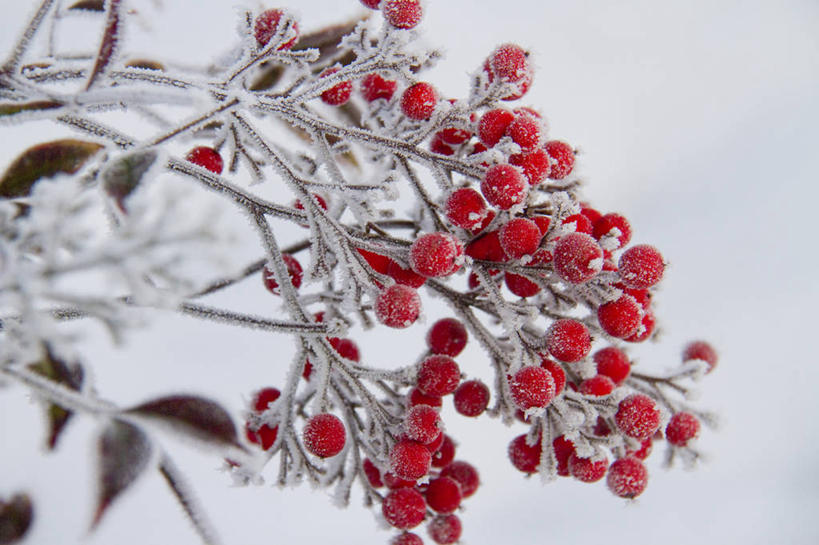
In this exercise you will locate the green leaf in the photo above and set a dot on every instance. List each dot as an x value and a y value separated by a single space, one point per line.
44 161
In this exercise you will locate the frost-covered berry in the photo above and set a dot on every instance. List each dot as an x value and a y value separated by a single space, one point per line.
294 270
557 372
207 158
620 318
568 340
394 482
438 375
645 330
445 529
337 94
466 208
379 263
700 350
443 495
590 212
581 223
524 457
422 423
465 475
532 387
266 25
324 435
445 453
372 4
346 348
447 336
486 247
562 156
588 470
493 124
416 397
402 13
519 237
374 87
419 101
510 63
520 285
471 398
436 254
404 508
504 186
372 473
681 429
410 459
454 136
398 306
525 131
536 165
437 145
638 416
627 477
613 363
407 538
563 449
599 385
607 224
318 199
644 450
406 277
577 258
641 266
265 397
264 436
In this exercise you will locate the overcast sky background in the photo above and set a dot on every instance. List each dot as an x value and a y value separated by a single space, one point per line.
697 120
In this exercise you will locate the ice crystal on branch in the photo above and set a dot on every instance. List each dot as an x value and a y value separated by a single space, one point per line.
396 194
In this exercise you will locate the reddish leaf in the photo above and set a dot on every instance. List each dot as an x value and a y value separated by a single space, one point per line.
109 42
70 377
124 451
195 416
121 177
43 161
15 518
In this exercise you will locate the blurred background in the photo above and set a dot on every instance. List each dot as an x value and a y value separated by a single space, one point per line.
697 120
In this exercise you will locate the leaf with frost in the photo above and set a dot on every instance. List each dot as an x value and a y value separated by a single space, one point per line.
124 175
44 161
109 43
71 377
8 109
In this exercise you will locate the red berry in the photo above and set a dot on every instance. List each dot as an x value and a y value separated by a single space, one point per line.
613 363
265 436
486 247
641 266
562 156
532 387
379 263
607 224
590 213
409 459
520 285
577 258
265 27
447 336
568 340
346 348
645 329
681 429
510 63
471 398
581 223
519 237
419 101
701 350
407 538
438 375
563 449
542 223
524 457
445 454
398 306
402 13
557 372
638 416
443 495
437 145
406 277
422 423
372 4
598 386
324 435
536 165
454 135
416 397
373 87
445 529
493 124
627 477
337 94
404 508
436 443
644 450
372 473
293 270
436 254
504 186
465 475
265 397
620 318
588 470
466 208
526 132
207 158
393 482
318 199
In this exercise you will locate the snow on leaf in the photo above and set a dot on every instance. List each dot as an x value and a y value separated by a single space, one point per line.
109 42
44 161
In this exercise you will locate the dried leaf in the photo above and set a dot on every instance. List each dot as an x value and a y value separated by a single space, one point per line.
11 108
326 40
15 518
69 376
89 5
108 45
197 417
124 451
43 161
122 176
145 64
